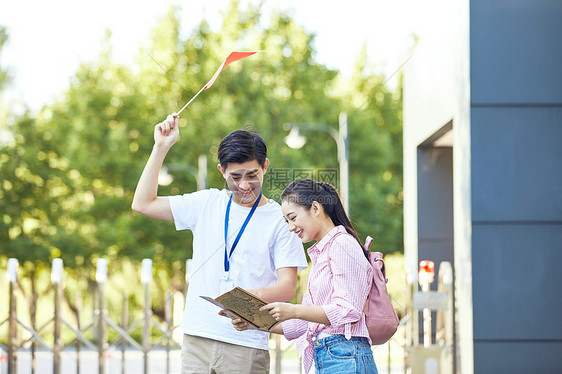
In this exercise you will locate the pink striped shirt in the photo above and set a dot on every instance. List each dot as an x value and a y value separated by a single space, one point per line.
339 281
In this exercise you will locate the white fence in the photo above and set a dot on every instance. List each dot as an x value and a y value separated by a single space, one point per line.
32 349
22 335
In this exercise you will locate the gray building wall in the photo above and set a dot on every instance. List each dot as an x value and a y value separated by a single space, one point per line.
492 69
516 148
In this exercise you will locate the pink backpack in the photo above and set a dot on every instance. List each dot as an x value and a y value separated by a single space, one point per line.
380 317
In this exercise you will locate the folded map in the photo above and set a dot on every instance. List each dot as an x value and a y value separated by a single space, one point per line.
241 303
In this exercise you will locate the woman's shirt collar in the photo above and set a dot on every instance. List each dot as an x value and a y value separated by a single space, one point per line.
319 246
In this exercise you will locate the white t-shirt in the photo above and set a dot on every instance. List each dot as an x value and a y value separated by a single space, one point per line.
265 246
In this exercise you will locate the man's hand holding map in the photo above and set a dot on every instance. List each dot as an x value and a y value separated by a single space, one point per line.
239 303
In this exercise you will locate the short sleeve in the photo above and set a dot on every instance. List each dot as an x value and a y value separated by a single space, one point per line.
288 250
187 208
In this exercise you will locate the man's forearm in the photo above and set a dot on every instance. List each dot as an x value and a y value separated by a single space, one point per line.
276 292
285 288
147 187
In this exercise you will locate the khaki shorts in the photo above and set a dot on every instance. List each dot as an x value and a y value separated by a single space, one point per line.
202 355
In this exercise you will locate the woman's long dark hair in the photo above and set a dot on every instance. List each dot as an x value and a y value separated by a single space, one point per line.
304 192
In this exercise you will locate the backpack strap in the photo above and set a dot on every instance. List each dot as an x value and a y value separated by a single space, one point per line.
330 246
366 246
368 242
374 256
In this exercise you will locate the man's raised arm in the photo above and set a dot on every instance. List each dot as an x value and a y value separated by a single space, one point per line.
146 200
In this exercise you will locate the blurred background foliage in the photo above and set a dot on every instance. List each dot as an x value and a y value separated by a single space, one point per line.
68 172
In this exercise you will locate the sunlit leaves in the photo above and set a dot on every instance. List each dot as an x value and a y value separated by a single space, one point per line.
68 182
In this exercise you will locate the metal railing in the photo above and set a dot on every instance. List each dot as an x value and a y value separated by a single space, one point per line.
100 323
93 335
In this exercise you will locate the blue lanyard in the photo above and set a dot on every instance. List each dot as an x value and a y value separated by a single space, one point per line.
226 217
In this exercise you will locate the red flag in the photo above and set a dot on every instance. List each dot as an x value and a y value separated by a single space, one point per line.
234 56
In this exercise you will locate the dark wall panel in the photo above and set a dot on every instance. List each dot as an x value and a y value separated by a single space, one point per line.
517 357
435 193
516 164
517 281
515 51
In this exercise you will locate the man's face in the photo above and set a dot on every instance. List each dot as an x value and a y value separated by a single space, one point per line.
244 180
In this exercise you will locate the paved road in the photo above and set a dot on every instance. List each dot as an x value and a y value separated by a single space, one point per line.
134 363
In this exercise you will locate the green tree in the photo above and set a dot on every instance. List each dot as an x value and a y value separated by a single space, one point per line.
3 73
67 183
104 123
5 135
34 188
375 132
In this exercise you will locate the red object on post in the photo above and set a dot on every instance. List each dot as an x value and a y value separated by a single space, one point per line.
426 274
427 267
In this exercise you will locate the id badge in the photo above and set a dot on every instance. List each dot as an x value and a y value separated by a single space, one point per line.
226 284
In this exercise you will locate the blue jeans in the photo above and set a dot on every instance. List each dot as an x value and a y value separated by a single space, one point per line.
336 354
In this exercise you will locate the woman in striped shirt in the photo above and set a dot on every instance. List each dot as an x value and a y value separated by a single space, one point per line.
329 325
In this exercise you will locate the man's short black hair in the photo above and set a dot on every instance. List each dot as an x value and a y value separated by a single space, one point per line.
241 146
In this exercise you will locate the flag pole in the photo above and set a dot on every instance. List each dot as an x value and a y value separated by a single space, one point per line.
193 98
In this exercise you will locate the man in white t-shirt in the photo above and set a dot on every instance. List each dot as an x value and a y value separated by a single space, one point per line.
239 239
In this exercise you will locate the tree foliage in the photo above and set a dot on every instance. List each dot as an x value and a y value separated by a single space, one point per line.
3 73
68 181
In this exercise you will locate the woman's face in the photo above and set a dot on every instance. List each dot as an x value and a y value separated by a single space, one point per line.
301 221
